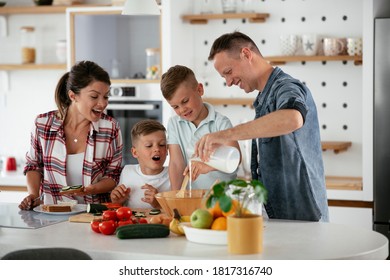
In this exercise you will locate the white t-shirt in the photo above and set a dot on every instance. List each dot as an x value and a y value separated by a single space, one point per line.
133 177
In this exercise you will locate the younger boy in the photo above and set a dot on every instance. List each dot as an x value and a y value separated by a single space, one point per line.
193 120
140 182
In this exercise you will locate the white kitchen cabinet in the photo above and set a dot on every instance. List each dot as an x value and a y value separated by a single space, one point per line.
12 196
353 216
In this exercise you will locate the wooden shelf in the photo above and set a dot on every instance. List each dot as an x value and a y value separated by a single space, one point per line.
344 183
13 188
336 146
204 18
280 60
12 67
230 101
9 10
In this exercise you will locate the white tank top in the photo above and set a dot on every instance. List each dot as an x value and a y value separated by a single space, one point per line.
74 172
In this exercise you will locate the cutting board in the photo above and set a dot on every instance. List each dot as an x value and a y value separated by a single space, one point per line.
83 218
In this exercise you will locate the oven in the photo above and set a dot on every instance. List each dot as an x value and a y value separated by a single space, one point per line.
128 107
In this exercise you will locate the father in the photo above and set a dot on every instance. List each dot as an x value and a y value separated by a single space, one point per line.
286 145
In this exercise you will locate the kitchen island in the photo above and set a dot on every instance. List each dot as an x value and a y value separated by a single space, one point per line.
282 240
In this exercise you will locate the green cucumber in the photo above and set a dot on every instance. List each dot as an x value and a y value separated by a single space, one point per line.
154 211
76 187
66 188
96 208
133 231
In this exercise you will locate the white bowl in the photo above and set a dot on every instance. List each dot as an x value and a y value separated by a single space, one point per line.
205 236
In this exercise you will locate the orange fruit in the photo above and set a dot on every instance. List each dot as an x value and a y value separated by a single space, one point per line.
232 210
215 210
219 223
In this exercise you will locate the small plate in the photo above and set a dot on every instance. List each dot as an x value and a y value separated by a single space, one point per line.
205 236
78 208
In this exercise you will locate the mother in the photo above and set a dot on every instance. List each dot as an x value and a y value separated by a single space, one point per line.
78 144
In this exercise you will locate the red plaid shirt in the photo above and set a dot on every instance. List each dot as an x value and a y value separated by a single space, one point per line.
47 154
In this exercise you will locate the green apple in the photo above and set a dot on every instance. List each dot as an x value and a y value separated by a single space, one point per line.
201 218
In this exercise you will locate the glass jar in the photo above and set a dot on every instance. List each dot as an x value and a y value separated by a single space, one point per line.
152 63
61 51
28 44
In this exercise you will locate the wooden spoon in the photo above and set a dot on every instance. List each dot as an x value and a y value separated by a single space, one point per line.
180 193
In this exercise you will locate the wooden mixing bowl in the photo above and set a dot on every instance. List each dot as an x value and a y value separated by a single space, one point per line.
191 201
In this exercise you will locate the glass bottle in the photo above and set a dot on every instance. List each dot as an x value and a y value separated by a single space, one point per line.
28 50
152 63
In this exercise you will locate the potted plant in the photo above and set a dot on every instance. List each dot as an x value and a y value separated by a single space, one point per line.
244 229
240 190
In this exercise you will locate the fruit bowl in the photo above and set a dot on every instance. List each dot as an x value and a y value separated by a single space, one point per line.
204 236
187 204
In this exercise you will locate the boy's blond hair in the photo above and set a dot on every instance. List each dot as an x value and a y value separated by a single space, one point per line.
145 127
174 77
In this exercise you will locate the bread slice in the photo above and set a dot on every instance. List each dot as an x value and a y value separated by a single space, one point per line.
56 208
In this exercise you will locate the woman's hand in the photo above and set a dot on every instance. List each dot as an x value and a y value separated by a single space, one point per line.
29 202
120 194
149 194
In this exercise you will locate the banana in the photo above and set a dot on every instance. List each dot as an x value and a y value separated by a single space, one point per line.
175 225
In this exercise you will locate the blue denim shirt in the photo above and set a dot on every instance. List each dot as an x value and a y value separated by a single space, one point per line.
290 166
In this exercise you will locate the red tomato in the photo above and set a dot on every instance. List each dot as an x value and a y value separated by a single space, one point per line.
123 213
142 221
109 215
125 222
107 227
95 226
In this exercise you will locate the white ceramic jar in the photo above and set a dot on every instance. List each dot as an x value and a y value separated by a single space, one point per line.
61 51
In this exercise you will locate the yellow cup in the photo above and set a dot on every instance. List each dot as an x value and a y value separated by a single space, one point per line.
245 234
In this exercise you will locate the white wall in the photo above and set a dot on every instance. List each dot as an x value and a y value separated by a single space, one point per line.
24 94
334 85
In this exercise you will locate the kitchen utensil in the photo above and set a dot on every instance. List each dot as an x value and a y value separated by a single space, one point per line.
289 44
180 193
225 159
354 46
192 200
10 164
79 208
83 218
36 199
229 6
205 236
334 46
310 43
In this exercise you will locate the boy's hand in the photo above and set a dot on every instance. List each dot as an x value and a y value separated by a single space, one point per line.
198 168
149 193
120 194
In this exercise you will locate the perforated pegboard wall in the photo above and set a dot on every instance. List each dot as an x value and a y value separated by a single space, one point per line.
335 85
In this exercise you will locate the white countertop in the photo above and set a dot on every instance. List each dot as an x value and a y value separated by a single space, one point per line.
282 240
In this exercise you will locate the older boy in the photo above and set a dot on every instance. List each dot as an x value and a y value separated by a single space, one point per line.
193 120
